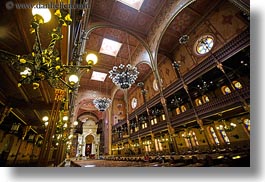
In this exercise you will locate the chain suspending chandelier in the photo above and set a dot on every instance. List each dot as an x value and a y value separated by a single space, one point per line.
45 64
124 76
102 103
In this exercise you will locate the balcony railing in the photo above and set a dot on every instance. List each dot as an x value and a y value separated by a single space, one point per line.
214 106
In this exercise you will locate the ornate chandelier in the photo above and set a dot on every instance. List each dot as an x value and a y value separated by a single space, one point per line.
102 103
123 76
45 64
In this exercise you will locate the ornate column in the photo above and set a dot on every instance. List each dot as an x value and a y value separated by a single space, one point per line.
47 142
185 86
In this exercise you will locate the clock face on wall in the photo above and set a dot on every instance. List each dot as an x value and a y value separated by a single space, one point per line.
134 103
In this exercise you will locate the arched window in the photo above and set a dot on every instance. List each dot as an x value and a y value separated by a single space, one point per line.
153 121
194 138
226 90
247 123
177 111
237 85
205 99
183 109
214 136
158 145
198 102
223 133
144 125
187 139
204 44
147 145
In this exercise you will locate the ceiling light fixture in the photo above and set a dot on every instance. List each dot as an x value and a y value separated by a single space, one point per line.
102 103
124 76
46 64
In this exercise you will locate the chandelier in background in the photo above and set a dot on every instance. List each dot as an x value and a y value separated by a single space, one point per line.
45 64
124 76
102 103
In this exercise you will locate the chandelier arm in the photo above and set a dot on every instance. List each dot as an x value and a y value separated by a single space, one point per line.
56 35
7 55
77 66
37 46
64 82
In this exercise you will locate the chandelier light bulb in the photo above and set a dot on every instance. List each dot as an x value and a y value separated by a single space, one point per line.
40 10
75 123
26 72
46 123
45 118
73 79
65 118
91 59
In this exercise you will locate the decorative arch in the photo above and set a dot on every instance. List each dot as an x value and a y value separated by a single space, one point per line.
89 138
147 55
174 11
89 115
155 38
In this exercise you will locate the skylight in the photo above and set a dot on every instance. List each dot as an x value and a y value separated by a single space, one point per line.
98 76
136 4
110 47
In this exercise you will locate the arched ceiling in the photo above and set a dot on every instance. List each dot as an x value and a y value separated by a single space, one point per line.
15 37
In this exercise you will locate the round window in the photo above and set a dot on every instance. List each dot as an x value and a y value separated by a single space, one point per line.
204 44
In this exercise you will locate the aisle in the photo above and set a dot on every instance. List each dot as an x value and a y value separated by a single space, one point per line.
108 163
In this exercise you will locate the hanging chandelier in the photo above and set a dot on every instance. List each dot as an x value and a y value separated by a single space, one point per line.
102 103
46 64
124 76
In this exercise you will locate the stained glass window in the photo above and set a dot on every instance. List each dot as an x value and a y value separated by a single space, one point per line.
223 133
214 136
237 85
195 140
204 44
226 90
247 124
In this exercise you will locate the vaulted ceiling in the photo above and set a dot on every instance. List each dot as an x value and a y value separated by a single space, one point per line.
118 19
